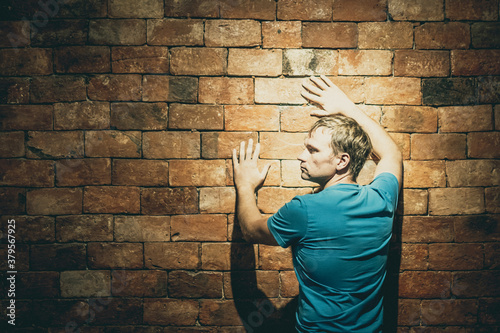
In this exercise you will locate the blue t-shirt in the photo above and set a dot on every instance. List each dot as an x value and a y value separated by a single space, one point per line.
339 240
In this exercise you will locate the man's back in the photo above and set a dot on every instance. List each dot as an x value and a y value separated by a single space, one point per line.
339 239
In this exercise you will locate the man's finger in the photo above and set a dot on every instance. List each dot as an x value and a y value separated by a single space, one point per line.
310 97
265 170
249 149
256 152
242 151
327 81
320 82
235 158
312 88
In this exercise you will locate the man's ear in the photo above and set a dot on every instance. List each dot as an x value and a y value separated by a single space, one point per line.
343 161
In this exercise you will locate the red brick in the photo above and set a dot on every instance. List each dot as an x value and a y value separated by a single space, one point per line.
488 310
488 89
365 62
251 118
217 200
221 144
128 283
352 86
449 312
12 144
254 62
140 116
140 172
232 33
300 62
437 146
491 255
198 61
483 144
270 199
416 10
49 89
289 284
474 62
427 229
403 142
81 115
85 283
492 197
28 173
170 312
79 172
182 284
465 118
85 9
443 201
140 59
409 119
134 9
175 32
225 90
423 174
497 117
54 144
26 117
14 34
32 61
414 256
176 255
14 90
191 116
111 199
278 91
228 256
441 35
115 87
477 10
54 201
275 258
424 284
117 312
296 118
248 9
142 228
393 90
82 59
161 201
37 285
112 144
485 35
117 32
414 202
359 10
171 145
408 313
308 10
421 63
282 34
192 8
473 173
22 260
480 228
290 174
34 229
84 228
385 35
57 257
12 201
340 35
476 284
70 311
455 256
246 284
205 227
114 255
281 145
197 173
169 88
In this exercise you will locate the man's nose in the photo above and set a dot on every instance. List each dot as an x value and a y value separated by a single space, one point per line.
301 157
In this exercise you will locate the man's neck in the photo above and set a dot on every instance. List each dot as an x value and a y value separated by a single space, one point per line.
339 179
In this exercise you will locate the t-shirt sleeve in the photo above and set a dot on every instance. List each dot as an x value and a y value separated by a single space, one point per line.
289 224
386 184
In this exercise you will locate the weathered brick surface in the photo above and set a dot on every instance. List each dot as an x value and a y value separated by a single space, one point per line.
118 119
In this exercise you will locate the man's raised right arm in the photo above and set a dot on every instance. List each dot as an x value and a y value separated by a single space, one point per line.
331 100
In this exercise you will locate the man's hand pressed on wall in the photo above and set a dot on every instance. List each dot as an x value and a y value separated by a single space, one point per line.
246 173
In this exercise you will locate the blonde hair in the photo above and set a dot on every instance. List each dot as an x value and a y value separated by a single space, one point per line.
347 137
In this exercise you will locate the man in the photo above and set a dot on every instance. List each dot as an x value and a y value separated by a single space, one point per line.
340 234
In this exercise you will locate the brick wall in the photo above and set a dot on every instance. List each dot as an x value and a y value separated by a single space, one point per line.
117 121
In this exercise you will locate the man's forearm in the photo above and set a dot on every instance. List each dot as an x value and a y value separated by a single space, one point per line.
247 211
